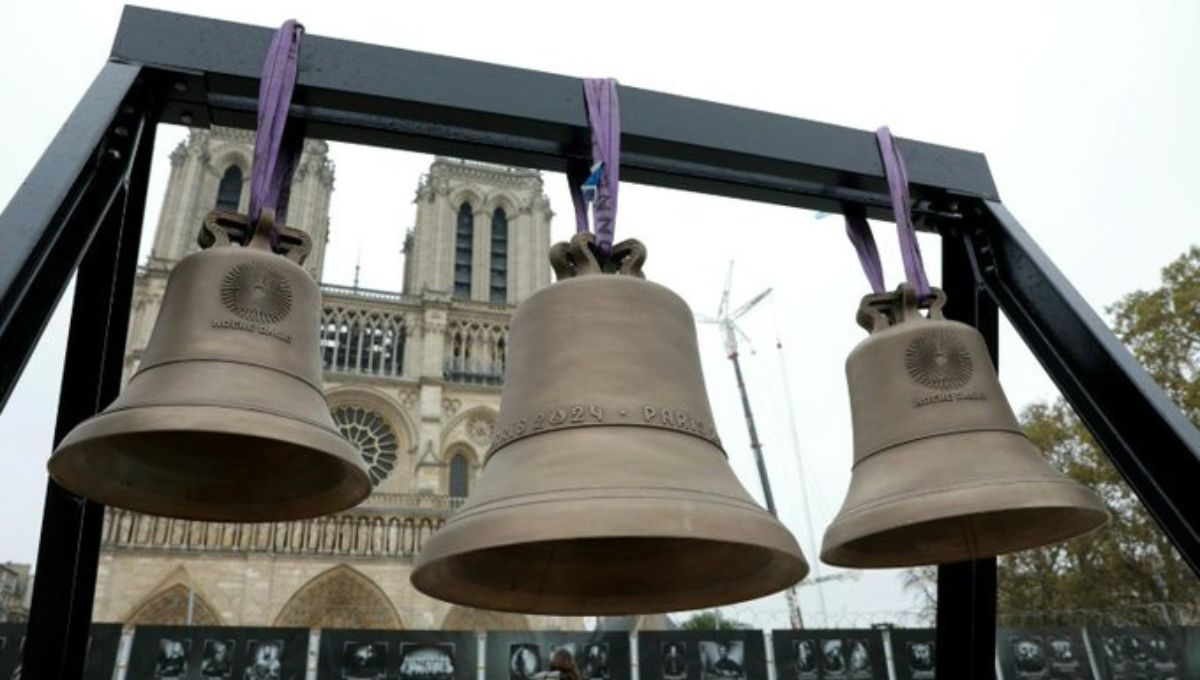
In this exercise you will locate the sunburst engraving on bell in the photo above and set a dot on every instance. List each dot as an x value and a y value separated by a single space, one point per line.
256 292
939 360
606 489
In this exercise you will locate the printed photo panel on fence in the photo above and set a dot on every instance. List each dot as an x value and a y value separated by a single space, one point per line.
1191 652
218 653
702 655
101 658
836 654
1139 653
1043 654
102 651
12 637
397 655
914 653
524 655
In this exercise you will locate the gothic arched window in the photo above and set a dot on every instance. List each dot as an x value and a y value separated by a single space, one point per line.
459 470
229 192
464 237
499 279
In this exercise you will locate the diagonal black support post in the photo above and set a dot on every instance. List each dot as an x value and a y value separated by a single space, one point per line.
1149 440
966 592
69 549
49 223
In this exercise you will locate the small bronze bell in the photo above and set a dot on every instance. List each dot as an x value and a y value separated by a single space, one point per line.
942 472
606 490
225 418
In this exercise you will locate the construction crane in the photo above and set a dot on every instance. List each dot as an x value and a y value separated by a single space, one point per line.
726 320
816 579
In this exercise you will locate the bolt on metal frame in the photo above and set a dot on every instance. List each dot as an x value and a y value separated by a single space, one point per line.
80 211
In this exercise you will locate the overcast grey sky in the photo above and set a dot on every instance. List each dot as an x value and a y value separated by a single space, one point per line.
1087 112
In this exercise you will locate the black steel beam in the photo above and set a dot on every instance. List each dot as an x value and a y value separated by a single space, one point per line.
1149 440
69 547
381 96
966 591
52 217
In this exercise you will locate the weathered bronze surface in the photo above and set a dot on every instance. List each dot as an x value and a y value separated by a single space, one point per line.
225 418
942 472
606 490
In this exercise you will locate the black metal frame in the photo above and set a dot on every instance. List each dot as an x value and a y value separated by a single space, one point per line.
81 210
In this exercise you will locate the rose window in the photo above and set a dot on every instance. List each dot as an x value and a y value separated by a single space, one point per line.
373 438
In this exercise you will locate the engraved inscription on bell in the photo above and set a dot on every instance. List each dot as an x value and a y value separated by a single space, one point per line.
578 415
257 293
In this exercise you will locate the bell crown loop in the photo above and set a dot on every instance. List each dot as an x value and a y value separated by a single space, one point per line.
581 256
879 311
226 228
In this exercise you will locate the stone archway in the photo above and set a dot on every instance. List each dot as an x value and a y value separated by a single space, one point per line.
467 618
170 608
341 597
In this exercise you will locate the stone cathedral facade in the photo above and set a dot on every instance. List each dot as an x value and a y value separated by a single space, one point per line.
412 378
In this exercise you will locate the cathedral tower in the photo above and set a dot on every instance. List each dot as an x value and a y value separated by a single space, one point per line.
482 233
212 170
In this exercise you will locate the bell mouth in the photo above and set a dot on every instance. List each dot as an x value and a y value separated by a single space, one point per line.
211 465
609 575
608 520
965 536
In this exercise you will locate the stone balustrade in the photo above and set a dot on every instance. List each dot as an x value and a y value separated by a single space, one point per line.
425 503
353 534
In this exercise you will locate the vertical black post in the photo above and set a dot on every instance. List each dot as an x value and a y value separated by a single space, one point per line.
69 549
966 593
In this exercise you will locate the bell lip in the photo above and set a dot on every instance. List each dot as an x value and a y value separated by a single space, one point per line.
631 525
67 465
624 518
786 569
1064 498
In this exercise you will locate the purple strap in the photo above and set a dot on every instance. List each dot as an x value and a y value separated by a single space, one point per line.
860 235
897 177
859 230
604 119
275 155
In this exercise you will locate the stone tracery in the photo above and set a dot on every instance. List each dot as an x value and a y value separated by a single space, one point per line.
170 608
372 436
341 597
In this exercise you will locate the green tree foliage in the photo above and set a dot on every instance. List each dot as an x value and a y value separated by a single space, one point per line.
712 619
1128 570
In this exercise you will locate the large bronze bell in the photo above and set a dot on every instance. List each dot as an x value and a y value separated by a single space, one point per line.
942 472
606 490
225 418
